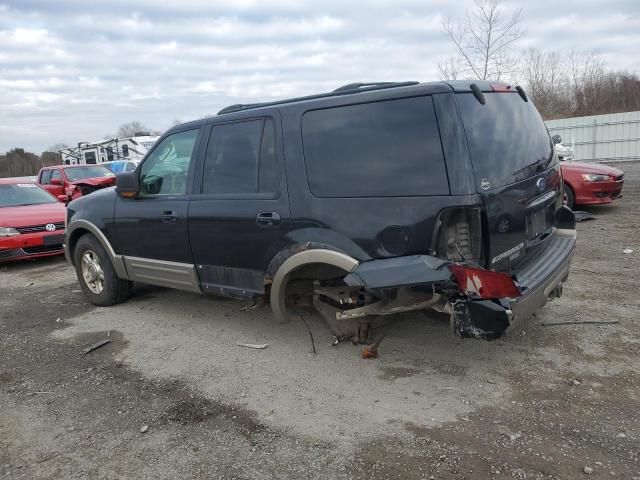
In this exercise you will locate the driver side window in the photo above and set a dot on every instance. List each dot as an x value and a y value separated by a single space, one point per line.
165 171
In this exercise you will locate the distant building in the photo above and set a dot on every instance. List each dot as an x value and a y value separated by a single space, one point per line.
129 148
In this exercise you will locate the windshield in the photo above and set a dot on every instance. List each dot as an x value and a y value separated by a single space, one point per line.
80 173
19 194
116 167
507 138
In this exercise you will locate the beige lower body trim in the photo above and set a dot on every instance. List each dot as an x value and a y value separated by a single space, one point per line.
162 273
307 257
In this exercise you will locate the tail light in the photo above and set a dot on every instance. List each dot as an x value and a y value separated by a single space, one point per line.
459 235
481 283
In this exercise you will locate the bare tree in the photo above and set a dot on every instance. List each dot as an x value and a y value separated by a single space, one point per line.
587 73
57 147
16 162
451 68
483 40
577 84
543 75
130 129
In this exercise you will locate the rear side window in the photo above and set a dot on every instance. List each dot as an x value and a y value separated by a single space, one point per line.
389 148
241 158
45 177
507 138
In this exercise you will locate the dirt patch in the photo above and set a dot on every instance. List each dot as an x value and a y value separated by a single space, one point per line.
392 373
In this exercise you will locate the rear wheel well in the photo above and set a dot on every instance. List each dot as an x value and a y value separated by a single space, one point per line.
305 267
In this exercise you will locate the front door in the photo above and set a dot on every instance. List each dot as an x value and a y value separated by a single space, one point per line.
151 229
239 218
51 180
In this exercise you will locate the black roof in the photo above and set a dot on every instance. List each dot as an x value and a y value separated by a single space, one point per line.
344 90
354 89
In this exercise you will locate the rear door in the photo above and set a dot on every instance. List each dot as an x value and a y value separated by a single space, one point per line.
516 172
240 217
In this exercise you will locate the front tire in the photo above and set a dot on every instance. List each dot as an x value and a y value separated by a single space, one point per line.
98 280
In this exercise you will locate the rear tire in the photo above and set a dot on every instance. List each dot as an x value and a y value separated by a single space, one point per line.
96 275
569 196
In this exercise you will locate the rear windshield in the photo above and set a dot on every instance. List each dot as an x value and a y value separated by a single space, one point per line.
389 148
80 173
20 194
507 138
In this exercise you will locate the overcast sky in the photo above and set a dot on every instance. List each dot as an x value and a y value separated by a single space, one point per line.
74 70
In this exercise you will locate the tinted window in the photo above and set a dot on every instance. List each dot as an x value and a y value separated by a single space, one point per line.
56 175
389 148
165 170
505 136
241 158
79 173
45 177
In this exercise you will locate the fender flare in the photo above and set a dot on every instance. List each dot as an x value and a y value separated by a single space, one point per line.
297 260
81 224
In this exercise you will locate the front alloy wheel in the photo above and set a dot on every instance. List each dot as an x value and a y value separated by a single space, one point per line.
92 272
96 275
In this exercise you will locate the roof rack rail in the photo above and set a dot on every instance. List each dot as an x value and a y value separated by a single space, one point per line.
344 90
371 86
239 106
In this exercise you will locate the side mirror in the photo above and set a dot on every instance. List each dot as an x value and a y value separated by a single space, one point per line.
55 181
63 198
127 185
556 139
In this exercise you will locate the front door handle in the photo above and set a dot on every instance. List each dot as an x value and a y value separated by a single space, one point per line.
268 219
168 216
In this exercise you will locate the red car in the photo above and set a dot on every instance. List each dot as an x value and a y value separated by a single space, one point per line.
31 221
68 182
591 183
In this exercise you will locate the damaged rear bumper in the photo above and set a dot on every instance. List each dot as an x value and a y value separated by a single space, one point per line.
539 280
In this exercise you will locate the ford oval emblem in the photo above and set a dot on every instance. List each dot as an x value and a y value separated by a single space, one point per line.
541 184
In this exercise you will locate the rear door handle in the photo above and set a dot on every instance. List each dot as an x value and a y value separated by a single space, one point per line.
168 216
267 219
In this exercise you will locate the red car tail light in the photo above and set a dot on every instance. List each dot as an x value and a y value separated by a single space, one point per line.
481 283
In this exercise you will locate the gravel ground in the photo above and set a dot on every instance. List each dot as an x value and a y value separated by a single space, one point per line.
174 396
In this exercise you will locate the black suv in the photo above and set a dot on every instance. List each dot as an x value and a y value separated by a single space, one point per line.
366 201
